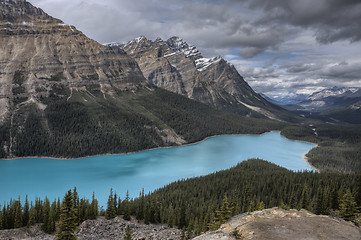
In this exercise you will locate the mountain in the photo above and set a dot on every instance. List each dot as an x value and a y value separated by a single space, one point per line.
65 95
331 98
285 100
179 67
335 105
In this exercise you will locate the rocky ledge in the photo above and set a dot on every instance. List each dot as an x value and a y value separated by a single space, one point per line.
275 223
100 229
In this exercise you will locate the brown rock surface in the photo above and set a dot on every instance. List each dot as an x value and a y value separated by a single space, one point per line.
100 229
178 67
281 224
46 52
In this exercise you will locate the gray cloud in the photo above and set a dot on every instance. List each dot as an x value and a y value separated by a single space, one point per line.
298 44
332 20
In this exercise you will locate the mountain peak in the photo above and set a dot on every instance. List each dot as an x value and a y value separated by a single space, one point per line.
179 45
20 10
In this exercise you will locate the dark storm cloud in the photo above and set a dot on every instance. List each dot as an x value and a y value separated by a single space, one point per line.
253 25
332 20
276 36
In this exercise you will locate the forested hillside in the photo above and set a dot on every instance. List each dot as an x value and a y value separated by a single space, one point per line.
82 123
339 146
203 203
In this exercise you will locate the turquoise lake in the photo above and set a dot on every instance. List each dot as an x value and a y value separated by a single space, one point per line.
150 169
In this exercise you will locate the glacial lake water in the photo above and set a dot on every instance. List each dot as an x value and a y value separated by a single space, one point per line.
150 169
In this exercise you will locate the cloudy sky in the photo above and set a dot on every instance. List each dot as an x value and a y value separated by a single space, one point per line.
280 47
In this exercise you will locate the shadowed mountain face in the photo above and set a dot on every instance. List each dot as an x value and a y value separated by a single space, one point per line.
179 67
65 95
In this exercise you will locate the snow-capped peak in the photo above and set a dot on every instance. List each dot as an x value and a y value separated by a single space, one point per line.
139 39
203 63
179 45
335 91
113 44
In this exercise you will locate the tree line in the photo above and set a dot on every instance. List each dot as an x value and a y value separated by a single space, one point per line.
16 215
201 204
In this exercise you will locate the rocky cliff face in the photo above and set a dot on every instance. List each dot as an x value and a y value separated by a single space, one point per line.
38 51
280 224
179 67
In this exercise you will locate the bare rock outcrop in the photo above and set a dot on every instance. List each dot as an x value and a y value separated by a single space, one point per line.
38 51
179 67
282 224
100 229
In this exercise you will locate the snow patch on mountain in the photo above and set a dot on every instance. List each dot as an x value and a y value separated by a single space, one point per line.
335 91
179 45
203 63
113 44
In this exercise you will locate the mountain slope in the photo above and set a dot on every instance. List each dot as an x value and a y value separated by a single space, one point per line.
38 52
178 67
65 95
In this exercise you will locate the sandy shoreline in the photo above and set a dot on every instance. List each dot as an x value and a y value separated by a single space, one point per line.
150 149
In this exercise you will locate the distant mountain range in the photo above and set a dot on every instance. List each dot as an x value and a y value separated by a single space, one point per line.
337 104
285 100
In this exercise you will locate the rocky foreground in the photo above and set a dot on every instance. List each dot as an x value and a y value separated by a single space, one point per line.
270 224
100 229
279 224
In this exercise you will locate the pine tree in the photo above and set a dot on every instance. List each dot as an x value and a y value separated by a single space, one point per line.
32 215
51 225
46 216
4 218
67 222
222 215
348 206
94 208
38 210
335 196
128 233
140 209
321 205
26 212
76 205
58 210
110 211
305 200
1 220
358 194
171 218
18 222
126 215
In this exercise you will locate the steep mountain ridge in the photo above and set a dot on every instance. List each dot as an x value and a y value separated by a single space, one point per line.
38 52
65 95
179 67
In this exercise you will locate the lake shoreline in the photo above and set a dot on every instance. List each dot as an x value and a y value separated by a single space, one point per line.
150 149
305 158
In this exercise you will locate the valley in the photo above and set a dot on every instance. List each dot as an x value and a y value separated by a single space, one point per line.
176 134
